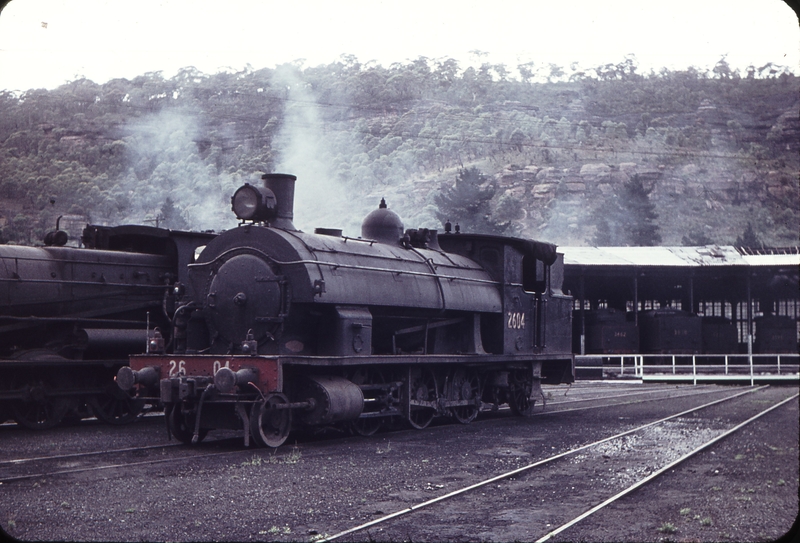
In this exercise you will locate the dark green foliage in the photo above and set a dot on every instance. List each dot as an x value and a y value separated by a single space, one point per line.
170 217
696 239
603 236
116 152
748 238
628 219
467 203
638 215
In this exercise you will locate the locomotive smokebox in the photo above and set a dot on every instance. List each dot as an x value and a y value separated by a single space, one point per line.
282 185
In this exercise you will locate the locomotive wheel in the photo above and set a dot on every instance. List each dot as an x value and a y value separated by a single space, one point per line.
116 406
270 426
182 426
520 389
465 385
423 389
367 426
40 410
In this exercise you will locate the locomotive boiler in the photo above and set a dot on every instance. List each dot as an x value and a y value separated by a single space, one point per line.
275 327
70 317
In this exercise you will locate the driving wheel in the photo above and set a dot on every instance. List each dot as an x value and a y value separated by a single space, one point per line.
42 408
465 385
520 389
116 406
422 389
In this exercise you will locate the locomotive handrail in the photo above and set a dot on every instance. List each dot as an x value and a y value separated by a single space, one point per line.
370 241
348 266
121 262
91 283
432 267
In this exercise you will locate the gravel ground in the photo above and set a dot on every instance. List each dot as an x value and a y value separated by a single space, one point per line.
745 489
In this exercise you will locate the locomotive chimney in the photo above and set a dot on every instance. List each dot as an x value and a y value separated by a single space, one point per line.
282 185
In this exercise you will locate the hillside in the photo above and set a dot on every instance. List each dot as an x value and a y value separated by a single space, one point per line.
552 154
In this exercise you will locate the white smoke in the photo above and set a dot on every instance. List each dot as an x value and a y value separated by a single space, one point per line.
305 150
166 163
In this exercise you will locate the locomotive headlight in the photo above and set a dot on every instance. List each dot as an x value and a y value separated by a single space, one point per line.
251 203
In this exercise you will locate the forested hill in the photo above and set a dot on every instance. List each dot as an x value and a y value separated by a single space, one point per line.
606 156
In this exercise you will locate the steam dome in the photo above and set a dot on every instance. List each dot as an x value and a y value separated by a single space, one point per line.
383 225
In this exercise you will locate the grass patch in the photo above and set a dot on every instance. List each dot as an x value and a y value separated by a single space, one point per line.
685 511
293 457
255 461
667 528
706 521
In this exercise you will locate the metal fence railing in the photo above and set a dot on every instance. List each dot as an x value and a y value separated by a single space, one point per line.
695 367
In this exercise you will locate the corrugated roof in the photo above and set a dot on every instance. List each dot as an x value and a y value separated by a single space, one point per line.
772 260
709 255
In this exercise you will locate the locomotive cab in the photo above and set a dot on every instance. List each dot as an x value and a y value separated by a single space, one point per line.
536 315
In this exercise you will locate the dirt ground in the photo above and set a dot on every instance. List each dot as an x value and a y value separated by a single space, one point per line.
744 489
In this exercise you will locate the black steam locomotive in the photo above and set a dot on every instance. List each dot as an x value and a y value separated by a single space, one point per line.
275 327
70 318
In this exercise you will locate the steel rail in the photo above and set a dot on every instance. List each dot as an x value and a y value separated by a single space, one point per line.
19 461
170 445
644 400
593 398
523 469
661 471
111 466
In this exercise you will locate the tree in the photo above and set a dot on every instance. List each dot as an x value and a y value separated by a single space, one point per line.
171 217
638 217
602 236
628 218
696 239
748 238
467 203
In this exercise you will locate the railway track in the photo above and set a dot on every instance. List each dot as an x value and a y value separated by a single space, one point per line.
327 485
40 466
539 467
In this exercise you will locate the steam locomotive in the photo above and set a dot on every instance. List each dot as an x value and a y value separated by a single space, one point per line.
70 317
275 328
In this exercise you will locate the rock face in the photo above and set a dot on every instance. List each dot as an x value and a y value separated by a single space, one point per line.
559 202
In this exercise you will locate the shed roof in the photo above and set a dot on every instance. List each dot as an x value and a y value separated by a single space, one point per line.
708 255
